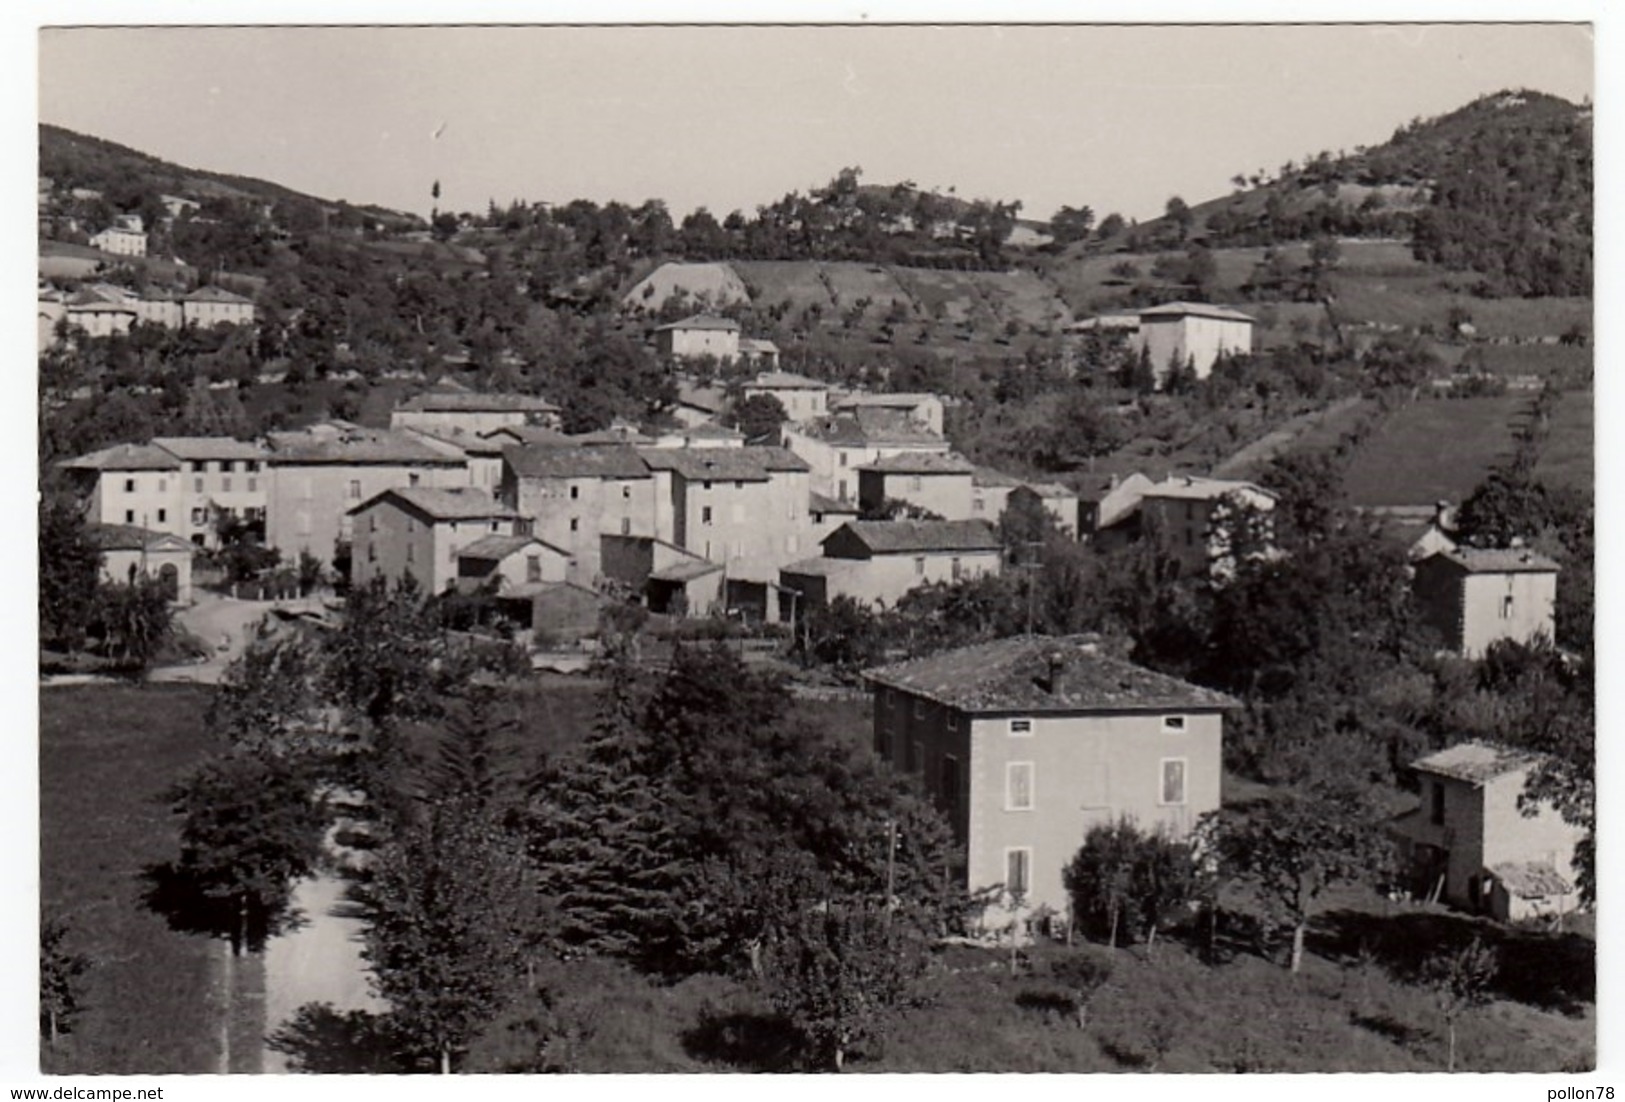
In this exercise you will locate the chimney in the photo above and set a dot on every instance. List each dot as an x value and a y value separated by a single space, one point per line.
1056 669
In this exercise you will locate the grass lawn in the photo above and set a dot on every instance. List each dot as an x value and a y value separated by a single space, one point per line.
1434 449
105 752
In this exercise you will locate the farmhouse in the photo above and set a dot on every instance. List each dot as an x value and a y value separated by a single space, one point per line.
1474 597
835 446
572 495
1026 743
1177 334
670 579
1196 518
935 482
465 412
877 561
1471 844
510 565
120 241
1055 499
924 409
699 336
222 480
989 492
803 399
207 307
130 485
421 531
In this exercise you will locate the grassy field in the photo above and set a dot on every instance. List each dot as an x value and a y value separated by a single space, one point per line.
1440 449
106 751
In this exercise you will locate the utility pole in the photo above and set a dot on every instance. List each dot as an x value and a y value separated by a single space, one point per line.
891 865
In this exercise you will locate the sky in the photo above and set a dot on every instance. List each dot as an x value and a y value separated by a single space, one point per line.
1116 117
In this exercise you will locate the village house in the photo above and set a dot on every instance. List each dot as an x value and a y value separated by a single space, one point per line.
421 530
669 579
1196 334
207 307
1108 505
990 493
923 409
1056 500
803 399
1471 844
510 565
759 351
575 494
102 319
828 514
320 473
834 447
1475 597
1195 519
221 480
697 337
130 485
707 434
742 508
130 552
936 482
457 413
875 562
1026 743
120 241
697 405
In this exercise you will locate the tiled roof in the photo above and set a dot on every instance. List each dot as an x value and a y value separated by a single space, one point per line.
464 503
346 443
701 321
469 402
919 463
1531 879
575 461
600 437
757 346
868 426
1475 761
784 380
496 548
130 537
987 476
1013 675
1050 489
711 399
707 430
1511 560
209 447
819 503
900 536
126 457
1194 309
740 464
821 568
685 571
899 400
1192 488
215 294
525 434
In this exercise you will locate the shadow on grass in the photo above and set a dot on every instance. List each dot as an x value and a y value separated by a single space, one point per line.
1400 1033
751 1042
1548 970
322 1041
178 895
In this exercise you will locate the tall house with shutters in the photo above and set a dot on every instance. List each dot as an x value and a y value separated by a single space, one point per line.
1026 743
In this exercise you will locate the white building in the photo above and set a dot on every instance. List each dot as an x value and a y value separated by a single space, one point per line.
1194 333
120 241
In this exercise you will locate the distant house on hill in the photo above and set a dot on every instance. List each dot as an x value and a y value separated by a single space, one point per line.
207 307
1026 743
926 409
699 336
120 241
1194 333
1189 515
1475 597
803 399
1055 499
464 412
937 483
834 447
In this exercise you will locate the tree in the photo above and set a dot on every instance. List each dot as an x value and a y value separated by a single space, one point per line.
1460 979
381 663
69 563
1179 213
268 701
1110 226
1071 224
451 908
476 760
1164 881
132 620
1101 878
758 417
1293 847
837 970
251 827
844 634
60 972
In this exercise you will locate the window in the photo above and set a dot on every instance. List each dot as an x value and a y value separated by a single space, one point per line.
253 485
919 565
355 489
163 515
163 485
575 524
626 491
843 459
842 493
883 743
1436 811
533 568
575 491
411 525
1173 723
738 485
1506 607
1017 870
916 756
251 465
1173 780
227 466
1021 727
412 479
199 517
976 505
129 485
950 780
914 482
225 485
705 485
891 698
705 514
1190 537
129 516
372 522
372 552
411 552
198 466
1018 786
626 526
956 569
197 485
919 708
1190 510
